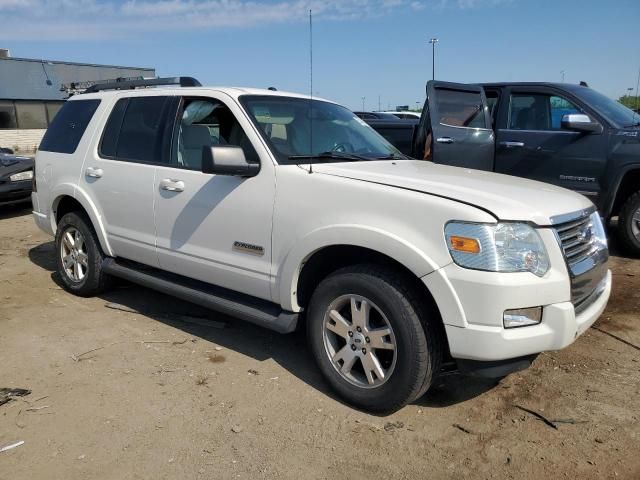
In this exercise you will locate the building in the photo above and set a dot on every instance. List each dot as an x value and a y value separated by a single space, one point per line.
32 91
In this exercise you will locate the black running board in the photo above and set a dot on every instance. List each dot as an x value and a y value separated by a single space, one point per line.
260 312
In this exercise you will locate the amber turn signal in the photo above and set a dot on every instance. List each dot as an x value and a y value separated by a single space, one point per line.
464 244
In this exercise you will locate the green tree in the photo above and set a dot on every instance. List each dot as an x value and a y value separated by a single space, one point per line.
630 101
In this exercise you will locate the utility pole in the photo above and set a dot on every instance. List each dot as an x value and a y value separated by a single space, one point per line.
433 42
562 75
363 103
379 104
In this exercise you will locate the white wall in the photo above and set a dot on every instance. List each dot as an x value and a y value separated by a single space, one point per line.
26 141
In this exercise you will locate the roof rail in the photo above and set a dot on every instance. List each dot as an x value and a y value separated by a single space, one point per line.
148 82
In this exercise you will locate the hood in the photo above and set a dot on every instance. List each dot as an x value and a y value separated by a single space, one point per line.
10 164
504 196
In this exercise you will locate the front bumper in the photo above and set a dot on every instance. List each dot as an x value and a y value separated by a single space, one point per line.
472 304
15 192
559 328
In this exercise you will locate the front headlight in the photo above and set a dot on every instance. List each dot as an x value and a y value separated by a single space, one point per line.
502 247
22 176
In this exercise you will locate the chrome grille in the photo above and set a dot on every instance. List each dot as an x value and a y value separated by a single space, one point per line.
577 239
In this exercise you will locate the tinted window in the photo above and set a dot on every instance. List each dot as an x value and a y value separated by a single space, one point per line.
460 109
135 129
31 115
65 132
530 111
559 108
7 115
52 110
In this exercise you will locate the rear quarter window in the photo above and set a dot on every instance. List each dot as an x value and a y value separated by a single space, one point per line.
68 126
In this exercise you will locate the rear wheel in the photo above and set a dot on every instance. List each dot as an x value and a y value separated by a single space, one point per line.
373 338
79 256
629 224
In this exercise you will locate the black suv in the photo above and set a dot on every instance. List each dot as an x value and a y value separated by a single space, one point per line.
568 135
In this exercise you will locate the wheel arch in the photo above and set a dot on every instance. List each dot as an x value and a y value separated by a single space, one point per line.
330 248
66 201
628 184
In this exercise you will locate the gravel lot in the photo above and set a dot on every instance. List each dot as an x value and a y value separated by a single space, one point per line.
167 395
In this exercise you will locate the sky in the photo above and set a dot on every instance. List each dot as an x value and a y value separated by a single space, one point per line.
377 49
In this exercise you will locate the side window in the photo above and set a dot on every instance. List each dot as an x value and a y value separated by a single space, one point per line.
68 127
534 111
492 102
135 130
460 109
206 123
8 115
560 107
31 115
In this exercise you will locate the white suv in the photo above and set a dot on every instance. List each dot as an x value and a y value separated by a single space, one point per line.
281 209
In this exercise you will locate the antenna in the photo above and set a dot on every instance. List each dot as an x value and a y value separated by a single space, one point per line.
310 91
636 111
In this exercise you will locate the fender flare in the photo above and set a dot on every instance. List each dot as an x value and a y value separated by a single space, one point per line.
363 236
612 197
69 190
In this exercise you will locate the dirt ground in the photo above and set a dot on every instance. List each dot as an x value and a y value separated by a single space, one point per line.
166 395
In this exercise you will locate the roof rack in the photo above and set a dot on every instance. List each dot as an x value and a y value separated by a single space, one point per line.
148 82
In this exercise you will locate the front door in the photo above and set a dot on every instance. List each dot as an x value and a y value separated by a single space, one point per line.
215 228
460 125
531 142
119 175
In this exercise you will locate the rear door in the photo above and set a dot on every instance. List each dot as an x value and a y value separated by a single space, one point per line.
461 125
119 175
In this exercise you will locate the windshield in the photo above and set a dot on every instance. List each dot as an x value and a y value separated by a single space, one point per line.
615 112
298 128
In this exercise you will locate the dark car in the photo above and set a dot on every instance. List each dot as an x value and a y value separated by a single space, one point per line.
376 116
568 135
16 174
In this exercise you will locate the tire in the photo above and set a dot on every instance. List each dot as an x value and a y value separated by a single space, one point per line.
89 280
407 370
628 227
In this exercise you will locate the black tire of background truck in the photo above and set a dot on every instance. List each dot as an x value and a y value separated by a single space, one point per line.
95 280
625 221
419 343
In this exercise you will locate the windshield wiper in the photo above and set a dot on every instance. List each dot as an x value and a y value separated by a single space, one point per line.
391 156
347 157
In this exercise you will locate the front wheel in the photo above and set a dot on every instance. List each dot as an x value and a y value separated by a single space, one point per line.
629 224
373 337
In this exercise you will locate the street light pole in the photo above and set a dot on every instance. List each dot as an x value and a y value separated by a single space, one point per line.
433 42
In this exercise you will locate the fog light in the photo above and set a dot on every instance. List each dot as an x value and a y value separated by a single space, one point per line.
522 317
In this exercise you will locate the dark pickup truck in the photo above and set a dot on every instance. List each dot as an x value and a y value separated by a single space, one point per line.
568 135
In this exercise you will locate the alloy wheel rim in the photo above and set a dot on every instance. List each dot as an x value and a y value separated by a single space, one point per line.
75 261
635 224
359 341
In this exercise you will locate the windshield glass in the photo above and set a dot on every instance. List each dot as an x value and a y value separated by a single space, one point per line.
615 112
296 127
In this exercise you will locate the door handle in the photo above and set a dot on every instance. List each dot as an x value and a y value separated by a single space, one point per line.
94 172
444 140
512 144
171 185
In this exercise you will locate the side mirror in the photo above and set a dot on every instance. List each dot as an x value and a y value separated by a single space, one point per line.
580 122
227 160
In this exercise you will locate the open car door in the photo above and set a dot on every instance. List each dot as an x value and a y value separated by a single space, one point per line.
461 125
